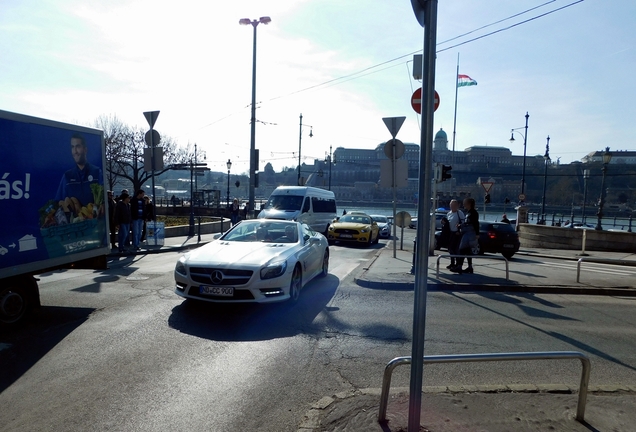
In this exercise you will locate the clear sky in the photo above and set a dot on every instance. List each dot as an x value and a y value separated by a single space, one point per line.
72 60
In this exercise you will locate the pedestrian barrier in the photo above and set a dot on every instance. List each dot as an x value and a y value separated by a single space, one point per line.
439 257
465 358
601 261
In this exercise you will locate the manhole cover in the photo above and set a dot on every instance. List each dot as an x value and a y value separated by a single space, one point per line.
137 278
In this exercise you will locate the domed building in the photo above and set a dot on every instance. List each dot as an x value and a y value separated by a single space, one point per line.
440 142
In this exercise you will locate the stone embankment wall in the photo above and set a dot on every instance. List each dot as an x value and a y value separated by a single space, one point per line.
540 236
206 228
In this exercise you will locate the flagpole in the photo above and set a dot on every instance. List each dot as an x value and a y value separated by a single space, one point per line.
455 118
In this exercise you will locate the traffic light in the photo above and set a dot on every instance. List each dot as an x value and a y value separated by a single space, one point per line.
487 199
506 201
255 180
446 172
237 183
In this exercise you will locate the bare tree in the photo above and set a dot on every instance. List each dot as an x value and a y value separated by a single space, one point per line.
125 152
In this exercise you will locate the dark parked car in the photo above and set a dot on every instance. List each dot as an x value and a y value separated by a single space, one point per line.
494 237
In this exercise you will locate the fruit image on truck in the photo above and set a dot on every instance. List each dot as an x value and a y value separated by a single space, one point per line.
52 205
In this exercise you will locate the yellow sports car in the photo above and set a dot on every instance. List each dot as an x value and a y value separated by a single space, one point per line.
359 228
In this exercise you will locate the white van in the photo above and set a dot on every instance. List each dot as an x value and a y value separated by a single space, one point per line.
313 206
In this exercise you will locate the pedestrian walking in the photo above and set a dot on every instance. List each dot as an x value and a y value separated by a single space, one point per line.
111 219
122 219
137 213
455 218
234 212
470 235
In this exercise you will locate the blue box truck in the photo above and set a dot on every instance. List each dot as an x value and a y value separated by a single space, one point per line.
53 211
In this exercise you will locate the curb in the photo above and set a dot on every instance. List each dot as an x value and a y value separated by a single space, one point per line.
539 289
157 250
311 421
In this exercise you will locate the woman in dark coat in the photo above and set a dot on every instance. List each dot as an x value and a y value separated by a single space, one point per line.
472 221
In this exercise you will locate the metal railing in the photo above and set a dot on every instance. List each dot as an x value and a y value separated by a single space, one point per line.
439 257
465 358
601 261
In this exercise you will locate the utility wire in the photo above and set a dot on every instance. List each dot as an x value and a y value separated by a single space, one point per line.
353 75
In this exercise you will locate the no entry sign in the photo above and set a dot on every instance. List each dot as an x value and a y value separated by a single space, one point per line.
416 101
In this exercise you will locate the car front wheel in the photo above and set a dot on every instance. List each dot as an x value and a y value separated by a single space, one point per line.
325 264
295 285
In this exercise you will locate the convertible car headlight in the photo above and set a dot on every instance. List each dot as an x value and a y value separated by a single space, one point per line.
331 228
181 268
274 270
364 230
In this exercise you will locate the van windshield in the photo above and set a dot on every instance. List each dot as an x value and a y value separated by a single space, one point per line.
285 202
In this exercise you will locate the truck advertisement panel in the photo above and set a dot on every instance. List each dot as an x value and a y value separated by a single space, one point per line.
51 191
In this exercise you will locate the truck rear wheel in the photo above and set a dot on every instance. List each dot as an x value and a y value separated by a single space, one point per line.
16 299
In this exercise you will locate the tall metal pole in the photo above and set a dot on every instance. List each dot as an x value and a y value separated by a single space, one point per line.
195 164
455 115
545 179
330 162
393 164
586 176
300 142
253 128
427 16
191 227
228 187
601 202
525 142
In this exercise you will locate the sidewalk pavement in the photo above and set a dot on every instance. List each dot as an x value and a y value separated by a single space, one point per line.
171 244
385 272
478 408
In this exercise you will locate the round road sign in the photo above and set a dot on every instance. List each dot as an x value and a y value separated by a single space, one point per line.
156 138
402 219
416 101
399 148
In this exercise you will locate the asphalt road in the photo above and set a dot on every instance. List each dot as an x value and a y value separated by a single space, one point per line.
117 350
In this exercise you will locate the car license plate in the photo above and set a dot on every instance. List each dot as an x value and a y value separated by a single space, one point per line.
217 291
508 246
346 236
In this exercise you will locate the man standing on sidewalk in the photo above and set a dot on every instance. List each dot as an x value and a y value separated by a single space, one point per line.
138 213
455 218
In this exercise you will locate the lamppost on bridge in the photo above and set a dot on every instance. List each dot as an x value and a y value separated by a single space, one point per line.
547 159
525 144
586 176
331 161
229 166
300 142
253 163
607 157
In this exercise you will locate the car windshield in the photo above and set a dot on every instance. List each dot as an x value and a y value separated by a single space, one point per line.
355 219
263 231
285 202
380 219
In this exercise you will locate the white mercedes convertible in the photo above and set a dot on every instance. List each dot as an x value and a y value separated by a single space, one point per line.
257 260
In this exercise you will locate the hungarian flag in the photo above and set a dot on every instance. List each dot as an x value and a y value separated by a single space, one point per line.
465 80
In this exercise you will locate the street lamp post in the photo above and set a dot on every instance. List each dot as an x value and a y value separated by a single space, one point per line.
525 144
545 179
586 176
300 142
246 21
229 166
330 162
607 157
